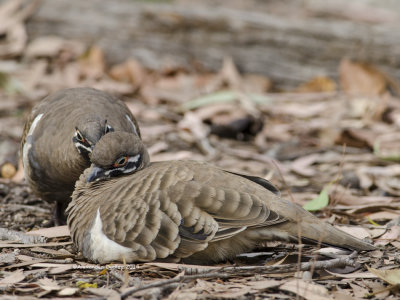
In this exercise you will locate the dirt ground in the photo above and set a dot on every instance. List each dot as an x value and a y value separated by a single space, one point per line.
331 146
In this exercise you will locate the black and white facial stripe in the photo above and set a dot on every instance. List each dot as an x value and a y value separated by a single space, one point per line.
108 128
131 165
83 145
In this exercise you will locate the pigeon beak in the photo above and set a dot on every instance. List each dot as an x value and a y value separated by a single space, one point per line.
96 174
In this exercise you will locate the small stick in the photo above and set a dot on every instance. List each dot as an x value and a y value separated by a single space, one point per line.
12 235
227 272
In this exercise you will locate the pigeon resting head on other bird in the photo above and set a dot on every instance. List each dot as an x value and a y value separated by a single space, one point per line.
127 209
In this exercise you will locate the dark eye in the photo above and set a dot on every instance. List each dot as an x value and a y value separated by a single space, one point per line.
122 161
108 129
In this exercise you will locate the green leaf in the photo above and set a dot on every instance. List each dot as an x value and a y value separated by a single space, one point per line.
85 285
223 96
319 202
9 84
395 156
217 97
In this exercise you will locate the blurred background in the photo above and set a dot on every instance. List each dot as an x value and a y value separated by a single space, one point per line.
302 93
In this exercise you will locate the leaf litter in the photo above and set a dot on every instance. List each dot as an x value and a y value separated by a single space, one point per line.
331 146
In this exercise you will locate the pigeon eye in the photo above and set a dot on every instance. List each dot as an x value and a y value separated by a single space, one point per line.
108 129
79 136
120 162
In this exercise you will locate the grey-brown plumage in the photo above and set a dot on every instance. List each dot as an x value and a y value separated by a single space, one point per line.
59 136
180 209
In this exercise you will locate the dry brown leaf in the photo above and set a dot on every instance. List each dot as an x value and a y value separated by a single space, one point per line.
61 269
69 291
302 110
361 78
108 85
392 235
130 71
179 155
342 296
176 89
254 83
390 276
7 11
7 258
157 148
367 109
391 185
263 285
359 291
109 294
384 215
15 41
12 16
156 130
307 290
92 64
355 137
356 231
363 275
179 294
303 165
58 231
396 244
331 250
317 84
12 278
387 146
51 46
230 74
13 12
195 131
48 284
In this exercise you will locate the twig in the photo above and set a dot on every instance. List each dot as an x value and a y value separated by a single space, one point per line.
132 281
12 235
173 281
388 288
15 207
227 272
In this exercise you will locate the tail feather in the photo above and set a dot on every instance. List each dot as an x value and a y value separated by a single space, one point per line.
311 228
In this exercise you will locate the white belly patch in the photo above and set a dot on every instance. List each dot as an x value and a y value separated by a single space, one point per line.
103 249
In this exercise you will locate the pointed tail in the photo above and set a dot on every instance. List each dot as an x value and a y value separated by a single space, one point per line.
311 228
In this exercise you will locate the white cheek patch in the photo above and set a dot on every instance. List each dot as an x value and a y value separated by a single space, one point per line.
103 249
133 159
28 140
133 124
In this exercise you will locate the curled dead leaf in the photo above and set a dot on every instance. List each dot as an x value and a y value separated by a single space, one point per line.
361 78
390 276
317 84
